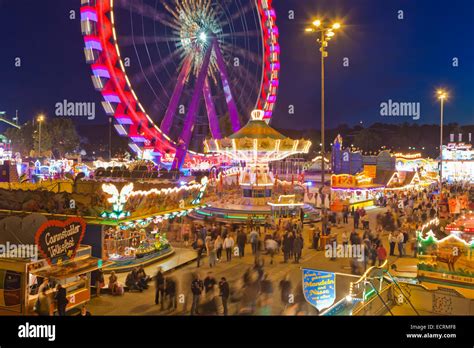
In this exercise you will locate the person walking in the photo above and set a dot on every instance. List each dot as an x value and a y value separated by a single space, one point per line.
159 287
218 246
197 286
285 290
345 214
170 291
209 282
61 300
271 246
392 240
317 236
254 240
405 241
224 292
399 240
344 238
43 303
373 254
298 247
241 240
200 250
211 252
356 218
381 254
228 246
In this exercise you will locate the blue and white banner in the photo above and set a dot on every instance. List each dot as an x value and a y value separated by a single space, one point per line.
319 288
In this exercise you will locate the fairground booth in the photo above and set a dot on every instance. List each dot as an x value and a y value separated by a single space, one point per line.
447 261
354 191
36 249
125 222
458 162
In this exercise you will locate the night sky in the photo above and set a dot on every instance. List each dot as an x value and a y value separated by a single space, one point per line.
402 60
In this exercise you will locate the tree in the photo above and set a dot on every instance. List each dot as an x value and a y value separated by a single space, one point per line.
64 136
58 135
22 139
368 140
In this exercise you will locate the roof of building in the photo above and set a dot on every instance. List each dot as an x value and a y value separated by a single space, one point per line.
257 129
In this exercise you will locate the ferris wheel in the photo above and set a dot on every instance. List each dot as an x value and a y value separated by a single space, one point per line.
172 72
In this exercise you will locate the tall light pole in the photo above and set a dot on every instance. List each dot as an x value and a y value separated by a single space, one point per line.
324 33
442 95
110 138
40 121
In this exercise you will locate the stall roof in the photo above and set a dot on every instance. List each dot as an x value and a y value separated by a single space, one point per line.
71 268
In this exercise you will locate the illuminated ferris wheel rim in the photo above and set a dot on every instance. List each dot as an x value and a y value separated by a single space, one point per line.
109 64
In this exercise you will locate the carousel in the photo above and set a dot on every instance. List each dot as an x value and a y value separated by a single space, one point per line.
250 189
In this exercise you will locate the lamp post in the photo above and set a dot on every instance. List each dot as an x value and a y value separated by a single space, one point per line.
40 121
442 95
110 138
325 33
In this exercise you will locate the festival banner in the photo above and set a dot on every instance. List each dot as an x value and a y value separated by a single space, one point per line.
58 240
319 288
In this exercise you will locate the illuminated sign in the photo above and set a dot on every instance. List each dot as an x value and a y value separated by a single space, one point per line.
343 180
58 240
319 288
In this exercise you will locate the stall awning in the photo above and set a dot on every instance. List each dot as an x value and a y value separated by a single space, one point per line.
71 268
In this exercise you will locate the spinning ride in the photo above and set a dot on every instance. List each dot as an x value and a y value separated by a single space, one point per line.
153 61
259 195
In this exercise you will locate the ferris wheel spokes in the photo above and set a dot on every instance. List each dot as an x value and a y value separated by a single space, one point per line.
202 84
178 90
211 111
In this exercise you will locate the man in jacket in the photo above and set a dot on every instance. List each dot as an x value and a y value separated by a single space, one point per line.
61 300
160 287
298 247
224 293
228 246
254 240
241 240
170 290
197 286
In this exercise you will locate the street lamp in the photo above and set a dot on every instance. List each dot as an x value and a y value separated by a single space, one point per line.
40 120
324 32
441 95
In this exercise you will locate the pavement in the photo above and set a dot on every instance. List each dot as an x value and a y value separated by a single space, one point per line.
135 303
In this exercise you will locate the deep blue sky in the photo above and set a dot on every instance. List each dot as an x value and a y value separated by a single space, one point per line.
402 60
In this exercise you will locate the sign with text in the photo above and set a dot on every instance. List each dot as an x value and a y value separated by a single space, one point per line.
370 171
343 180
58 240
319 288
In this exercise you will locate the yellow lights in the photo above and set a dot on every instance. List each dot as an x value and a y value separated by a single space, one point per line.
330 34
442 94
40 118
322 27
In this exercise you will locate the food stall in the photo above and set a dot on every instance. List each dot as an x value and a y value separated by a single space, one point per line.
60 258
354 191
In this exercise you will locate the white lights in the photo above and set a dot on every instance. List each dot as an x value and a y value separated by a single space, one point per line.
203 36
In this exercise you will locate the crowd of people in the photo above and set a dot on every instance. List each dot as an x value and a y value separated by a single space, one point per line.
200 292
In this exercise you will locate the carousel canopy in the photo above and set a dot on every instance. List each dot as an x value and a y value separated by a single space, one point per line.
257 142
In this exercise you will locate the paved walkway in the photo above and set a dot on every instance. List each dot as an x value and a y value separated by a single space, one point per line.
143 303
